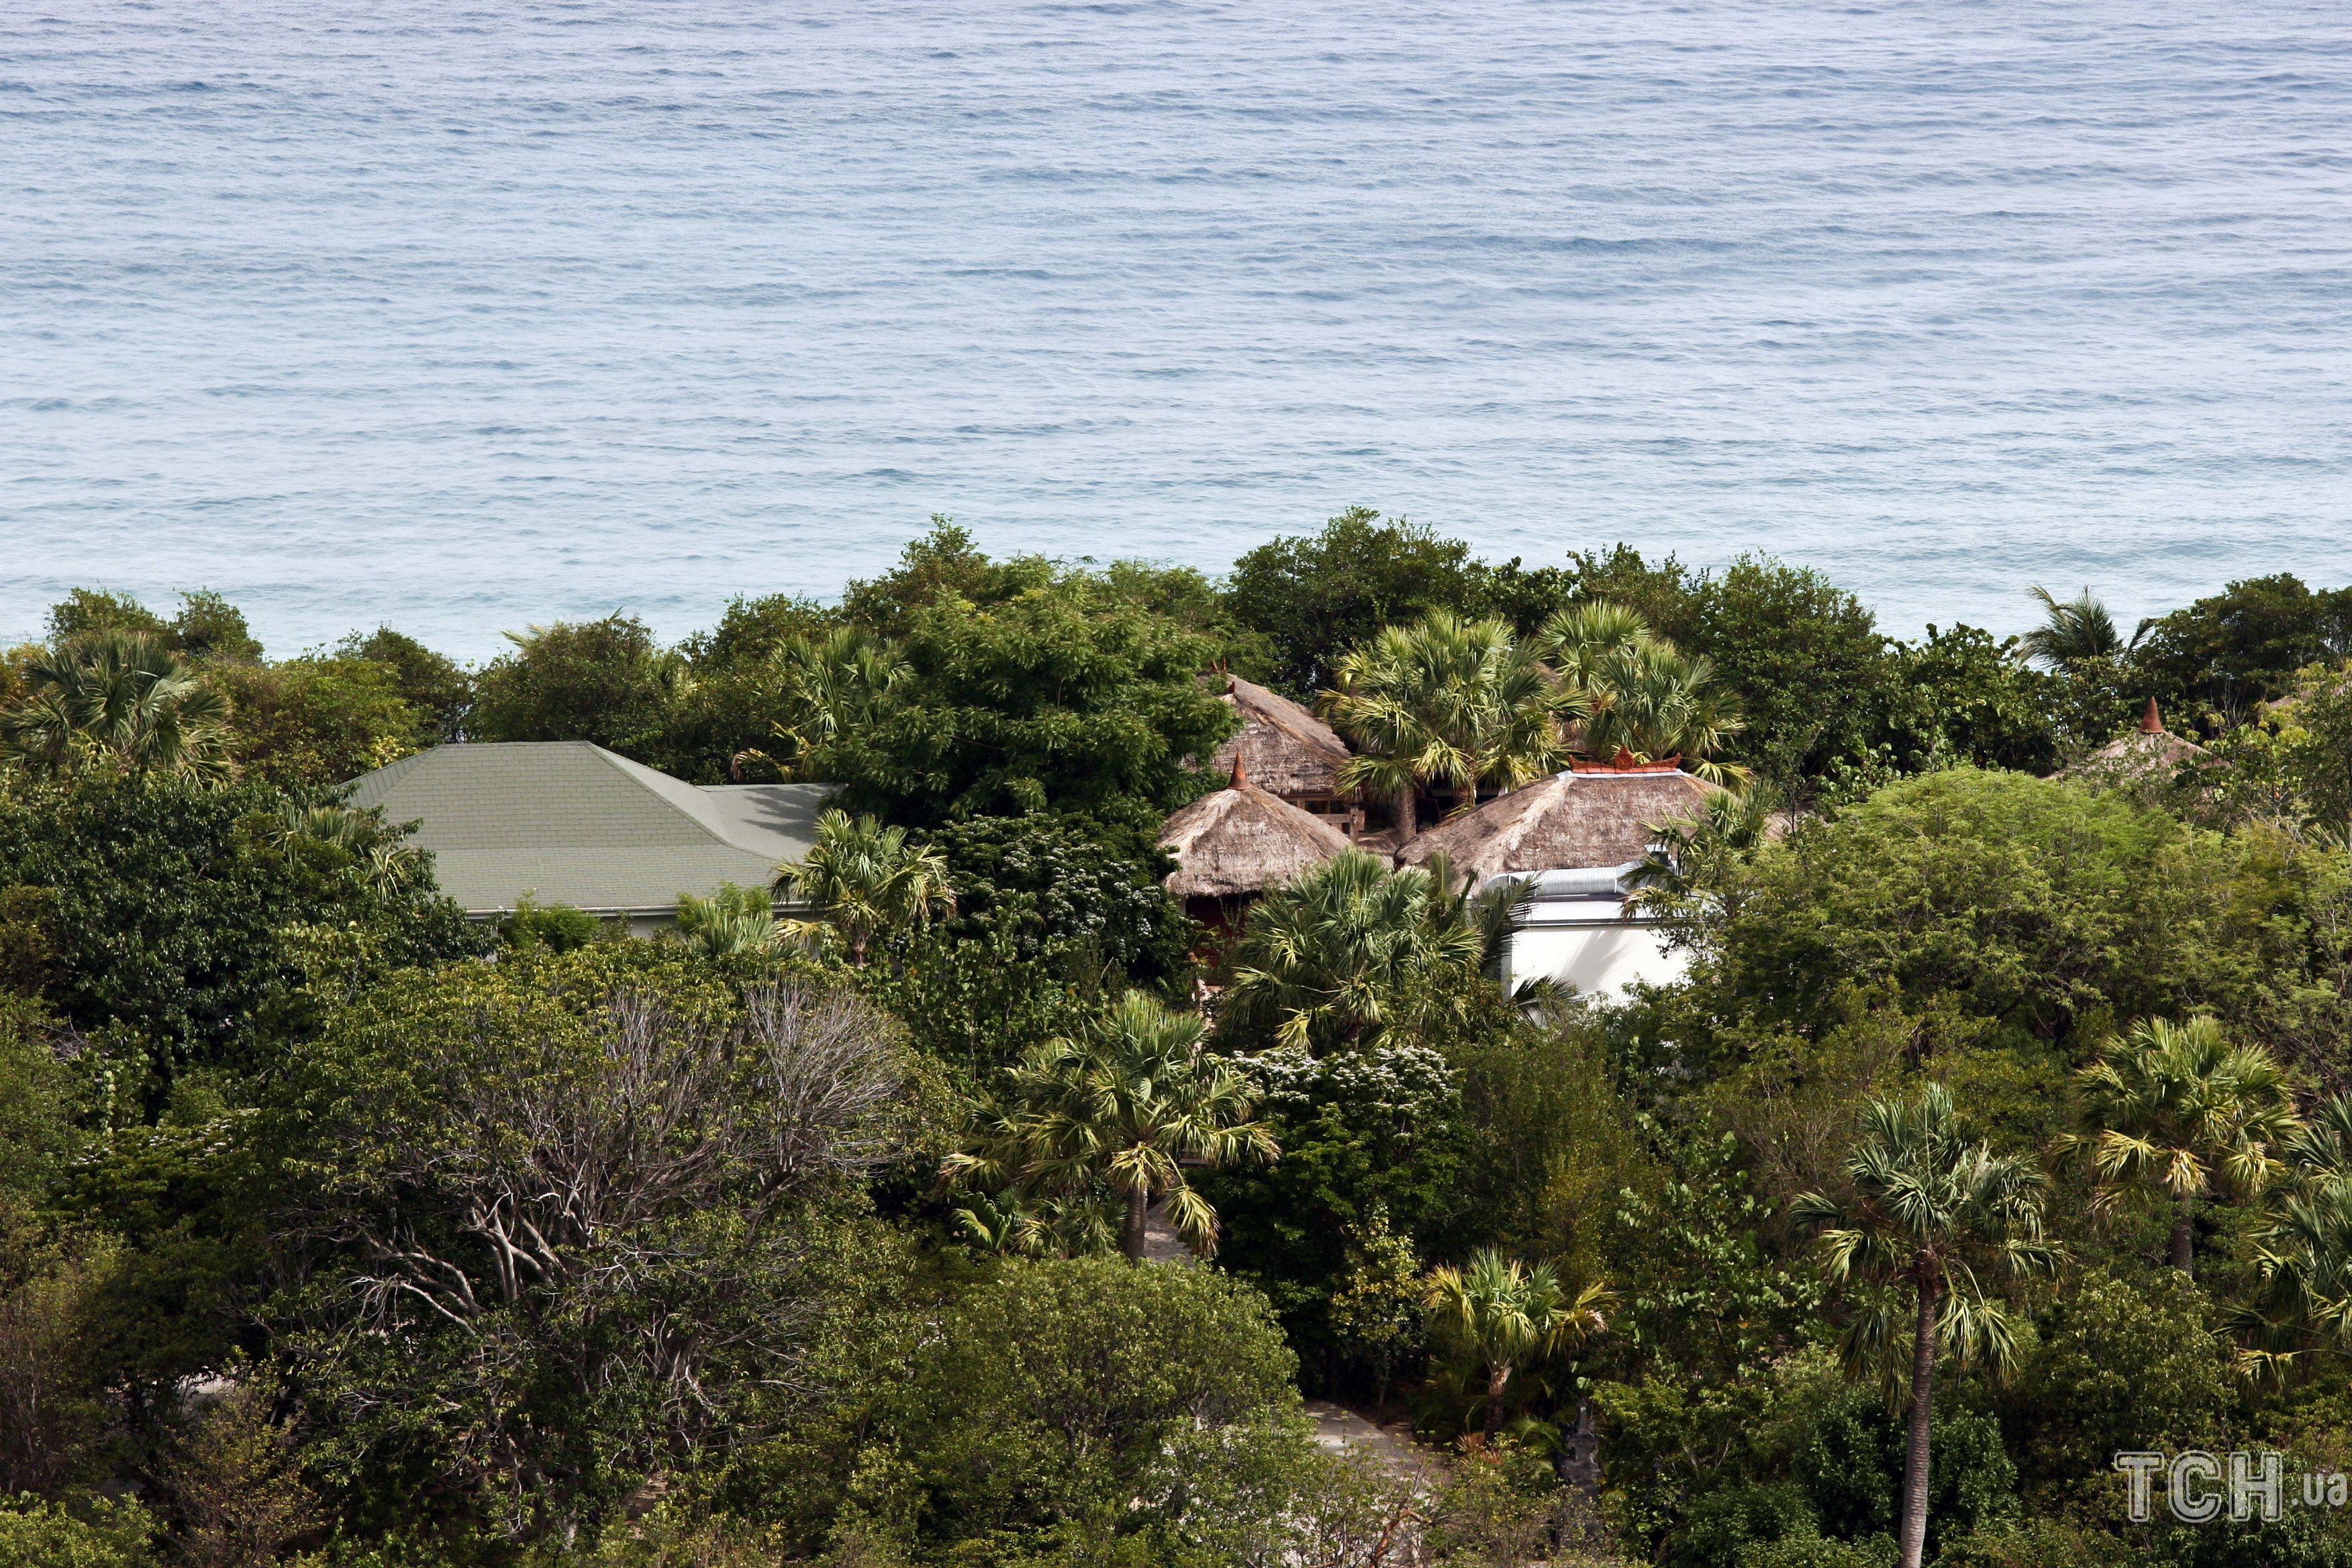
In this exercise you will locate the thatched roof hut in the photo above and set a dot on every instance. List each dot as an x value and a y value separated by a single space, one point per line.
2148 752
1289 751
1242 840
1594 817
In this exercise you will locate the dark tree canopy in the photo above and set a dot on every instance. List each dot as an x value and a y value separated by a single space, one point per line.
1056 886
1804 656
159 909
434 684
1314 597
1959 695
607 681
1045 701
2243 645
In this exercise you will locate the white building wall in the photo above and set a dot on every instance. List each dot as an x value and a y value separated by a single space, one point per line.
1601 957
1576 929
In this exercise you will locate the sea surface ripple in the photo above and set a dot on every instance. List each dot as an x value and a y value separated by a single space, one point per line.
464 318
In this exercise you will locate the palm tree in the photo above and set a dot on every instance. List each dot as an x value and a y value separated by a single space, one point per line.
2302 1256
2303 1309
1930 1209
123 697
864 879
2177 1108
1010 1224
1352 948
1447 704
828 683
1637 694
1690 854
1500 1313
732 921
393 867
1126 1106
1578 636
2072 633
2320 1150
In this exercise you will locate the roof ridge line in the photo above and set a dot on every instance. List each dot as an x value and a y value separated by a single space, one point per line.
622 765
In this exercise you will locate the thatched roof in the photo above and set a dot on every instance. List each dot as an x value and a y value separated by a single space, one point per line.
1243 840
1588 817
1289 752
2150 750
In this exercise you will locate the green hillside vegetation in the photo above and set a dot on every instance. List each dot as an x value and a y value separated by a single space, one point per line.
1996 1129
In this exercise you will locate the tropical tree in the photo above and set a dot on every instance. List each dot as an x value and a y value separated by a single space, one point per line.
2302 1254
864 879
732 921
1695 853
121 696
1377 1305
1062 698
1931 1209
1578 638
1446 704
2320 1150
1010 1224
607 681
2073 633
1353 949
1126 1108
2176 1107
2303 1306
1636 694
827 682
1503 1314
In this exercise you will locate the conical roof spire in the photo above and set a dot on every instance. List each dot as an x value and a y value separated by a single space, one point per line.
1241 772
2151 723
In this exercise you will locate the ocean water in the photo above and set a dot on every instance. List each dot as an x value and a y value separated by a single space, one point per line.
463 319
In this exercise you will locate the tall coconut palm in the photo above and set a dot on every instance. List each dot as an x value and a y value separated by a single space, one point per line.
864 879
125 698
2176 1108
2073 633
1502 1314
1446 704
1637 694
1931 1209
1127 1106
1351 949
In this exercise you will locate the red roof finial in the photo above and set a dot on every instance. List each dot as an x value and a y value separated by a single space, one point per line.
2150 723
1624 759
1241 772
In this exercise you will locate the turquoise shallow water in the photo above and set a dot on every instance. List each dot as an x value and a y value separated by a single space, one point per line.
468 319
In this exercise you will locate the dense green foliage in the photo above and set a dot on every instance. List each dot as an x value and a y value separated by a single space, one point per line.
337 1232
166 917
1048 702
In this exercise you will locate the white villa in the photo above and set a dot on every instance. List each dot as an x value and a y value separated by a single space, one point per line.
1578 835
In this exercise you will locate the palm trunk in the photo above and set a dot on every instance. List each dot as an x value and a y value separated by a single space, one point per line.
1915 1448
1498 1377
1407 823
1130 1234
2184 1237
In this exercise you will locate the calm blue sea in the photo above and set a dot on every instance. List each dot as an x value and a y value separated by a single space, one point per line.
466 317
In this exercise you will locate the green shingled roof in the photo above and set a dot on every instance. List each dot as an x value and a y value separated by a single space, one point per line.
565 822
